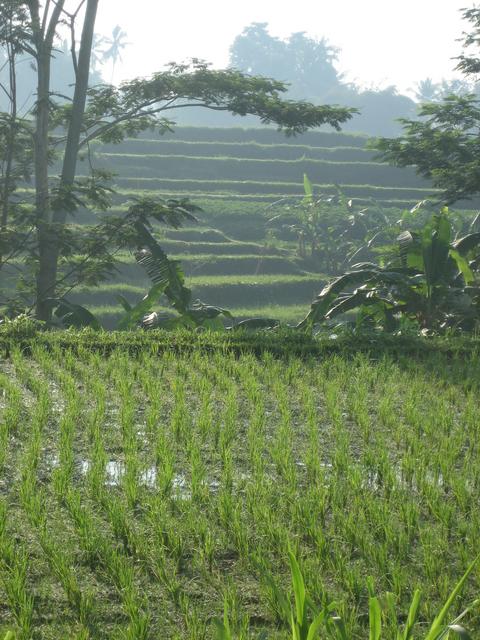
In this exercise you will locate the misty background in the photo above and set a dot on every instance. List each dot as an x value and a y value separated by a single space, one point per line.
312 65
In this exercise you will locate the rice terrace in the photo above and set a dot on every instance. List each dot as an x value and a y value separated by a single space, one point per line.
239 320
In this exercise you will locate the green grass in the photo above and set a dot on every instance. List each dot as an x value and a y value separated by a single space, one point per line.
263 135
285 313
231 169
210 197
221 281
224 281
141 494
268 188
241 149
154 159
257 295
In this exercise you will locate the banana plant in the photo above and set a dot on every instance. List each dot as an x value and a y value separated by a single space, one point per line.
328 228
134 229
168 274
432 281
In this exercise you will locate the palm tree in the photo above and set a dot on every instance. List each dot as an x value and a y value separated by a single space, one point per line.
115 45
97 52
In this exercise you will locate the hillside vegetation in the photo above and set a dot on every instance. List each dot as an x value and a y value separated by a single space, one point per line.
236 176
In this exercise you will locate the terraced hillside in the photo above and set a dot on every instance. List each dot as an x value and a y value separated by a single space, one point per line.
235 175
258 163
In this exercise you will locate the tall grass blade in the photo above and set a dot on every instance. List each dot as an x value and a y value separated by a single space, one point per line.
298 588
455 623
412 615
436 628
375 619
315 625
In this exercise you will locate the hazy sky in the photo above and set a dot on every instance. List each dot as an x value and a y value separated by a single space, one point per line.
382 42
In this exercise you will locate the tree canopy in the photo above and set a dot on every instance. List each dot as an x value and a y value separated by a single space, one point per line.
307 64
444 144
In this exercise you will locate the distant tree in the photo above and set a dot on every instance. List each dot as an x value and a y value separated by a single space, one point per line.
256 52
97 56
379 109
429 91
308 65
305 63
115 45
444 145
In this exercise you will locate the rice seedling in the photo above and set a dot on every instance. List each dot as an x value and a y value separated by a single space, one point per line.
11 408
14 565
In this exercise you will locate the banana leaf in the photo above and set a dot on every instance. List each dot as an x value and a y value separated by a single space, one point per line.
162 270
435 248
135 314
467 243
74 315
360 297
462 266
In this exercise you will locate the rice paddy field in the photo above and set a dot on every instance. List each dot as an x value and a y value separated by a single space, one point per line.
145 494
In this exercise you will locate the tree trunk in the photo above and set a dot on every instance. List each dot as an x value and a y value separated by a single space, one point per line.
49 246
43 31
45 237
79 101
7 186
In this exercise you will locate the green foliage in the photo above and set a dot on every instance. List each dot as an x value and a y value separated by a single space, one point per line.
130 230
195 84
73 315
431 282
134 314
23 326
168 275
470 64
111 114
334 627
443 144
329 229
304 626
